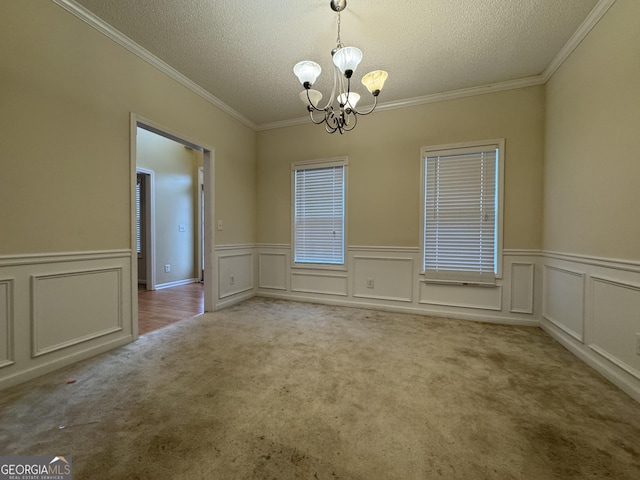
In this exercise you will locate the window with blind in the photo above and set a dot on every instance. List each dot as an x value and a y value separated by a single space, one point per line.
319 203
462 212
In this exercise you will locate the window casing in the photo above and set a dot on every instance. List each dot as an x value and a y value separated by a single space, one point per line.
462 205
319 212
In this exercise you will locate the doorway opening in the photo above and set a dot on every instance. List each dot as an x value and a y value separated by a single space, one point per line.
172 234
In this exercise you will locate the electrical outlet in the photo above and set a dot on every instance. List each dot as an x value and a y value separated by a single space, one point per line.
232 280
182 228
167 268
219 224
370 283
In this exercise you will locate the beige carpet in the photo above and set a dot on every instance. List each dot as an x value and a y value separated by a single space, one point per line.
280 390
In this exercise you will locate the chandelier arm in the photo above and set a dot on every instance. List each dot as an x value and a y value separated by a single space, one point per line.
332 126
353 125
375 103
318 122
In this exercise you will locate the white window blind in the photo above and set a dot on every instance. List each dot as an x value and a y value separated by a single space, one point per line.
319 203
460 214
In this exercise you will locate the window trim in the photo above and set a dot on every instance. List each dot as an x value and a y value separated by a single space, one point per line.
342 161
461 147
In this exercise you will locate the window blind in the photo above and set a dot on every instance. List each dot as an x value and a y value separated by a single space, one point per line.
460 215
319 215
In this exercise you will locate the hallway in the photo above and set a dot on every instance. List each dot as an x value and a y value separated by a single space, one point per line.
159 308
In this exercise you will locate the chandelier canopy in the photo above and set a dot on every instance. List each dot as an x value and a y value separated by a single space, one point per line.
345 60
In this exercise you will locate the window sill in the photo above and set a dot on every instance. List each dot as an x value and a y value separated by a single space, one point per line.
319 266
461 283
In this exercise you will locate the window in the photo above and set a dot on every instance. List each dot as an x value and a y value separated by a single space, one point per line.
319 203
462 219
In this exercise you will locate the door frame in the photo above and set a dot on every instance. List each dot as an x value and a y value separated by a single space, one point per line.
208 163
149 225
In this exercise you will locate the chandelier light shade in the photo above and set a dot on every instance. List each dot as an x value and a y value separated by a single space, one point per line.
347 60
343 116
374 81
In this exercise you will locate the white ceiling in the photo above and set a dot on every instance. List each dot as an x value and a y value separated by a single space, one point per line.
242 51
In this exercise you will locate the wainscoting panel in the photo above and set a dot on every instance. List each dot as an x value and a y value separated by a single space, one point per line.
73 307
467 296
6 323
319 282
615 322
591 305
563 300
62 308
272 270
235 273
522 284
383 278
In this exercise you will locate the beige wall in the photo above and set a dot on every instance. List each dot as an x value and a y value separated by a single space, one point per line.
176 181
592 158
384 166
66 93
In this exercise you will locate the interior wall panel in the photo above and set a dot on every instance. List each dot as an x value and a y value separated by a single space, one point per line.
6 323
72 307
272 271
563 300
323 283
384 278
235 273
615 322
466 296
522 284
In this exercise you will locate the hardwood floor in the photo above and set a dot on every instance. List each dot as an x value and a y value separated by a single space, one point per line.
159 308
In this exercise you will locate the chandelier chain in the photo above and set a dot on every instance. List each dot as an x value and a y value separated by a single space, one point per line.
338 40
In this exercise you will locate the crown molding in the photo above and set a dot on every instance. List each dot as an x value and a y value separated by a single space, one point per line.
432 98
583 30
121 39
592 19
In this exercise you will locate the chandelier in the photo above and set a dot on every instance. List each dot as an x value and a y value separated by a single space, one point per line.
344 117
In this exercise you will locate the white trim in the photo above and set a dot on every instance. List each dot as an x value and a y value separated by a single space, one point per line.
545 314
58 257
476 316
618 264
91 19
9 331
425 99
208 163
236 246
150 241
124 41
583 30
35 279
613 374
521 252
177 283
529 308
428 150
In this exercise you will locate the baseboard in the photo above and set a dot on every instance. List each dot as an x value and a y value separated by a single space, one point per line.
229 301
612 373
34 372
476 316
177 283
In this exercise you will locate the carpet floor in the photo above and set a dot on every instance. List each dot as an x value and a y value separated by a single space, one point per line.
270 389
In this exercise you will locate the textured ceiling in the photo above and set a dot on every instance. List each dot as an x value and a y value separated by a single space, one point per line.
243 51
